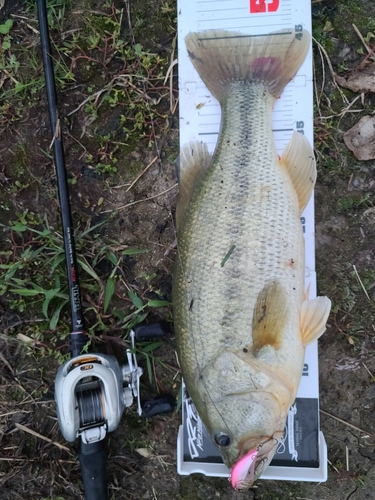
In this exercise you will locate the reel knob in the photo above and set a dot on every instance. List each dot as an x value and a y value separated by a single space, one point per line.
128 397
158 406
144 333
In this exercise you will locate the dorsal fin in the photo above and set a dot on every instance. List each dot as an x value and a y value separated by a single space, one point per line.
270 314
298 160
194 160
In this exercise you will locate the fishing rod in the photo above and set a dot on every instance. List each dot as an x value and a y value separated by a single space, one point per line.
91 390
92 455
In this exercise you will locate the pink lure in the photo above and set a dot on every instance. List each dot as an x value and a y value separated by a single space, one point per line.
243 470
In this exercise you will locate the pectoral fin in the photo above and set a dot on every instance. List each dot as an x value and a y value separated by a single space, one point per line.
313 318
270 315
194 160
298 159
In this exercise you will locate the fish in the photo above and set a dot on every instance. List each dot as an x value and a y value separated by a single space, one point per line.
242 316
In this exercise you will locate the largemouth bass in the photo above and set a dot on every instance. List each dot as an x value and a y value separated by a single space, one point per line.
241 314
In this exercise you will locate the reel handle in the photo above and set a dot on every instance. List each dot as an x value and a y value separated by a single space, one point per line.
158 406
93 458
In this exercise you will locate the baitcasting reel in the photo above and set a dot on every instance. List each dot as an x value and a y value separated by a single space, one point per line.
92 390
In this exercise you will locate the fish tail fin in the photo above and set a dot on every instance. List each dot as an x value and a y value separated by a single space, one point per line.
223 58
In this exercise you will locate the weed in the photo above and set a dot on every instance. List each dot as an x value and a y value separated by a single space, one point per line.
321 32
33 278
346 205
347 10
4 30
106 163
101 73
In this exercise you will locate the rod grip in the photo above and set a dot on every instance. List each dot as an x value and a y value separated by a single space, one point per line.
93 460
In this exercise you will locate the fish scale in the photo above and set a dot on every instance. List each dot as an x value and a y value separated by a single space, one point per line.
240 314
221 215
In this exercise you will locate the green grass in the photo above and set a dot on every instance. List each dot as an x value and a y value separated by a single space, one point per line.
120 73
347 205
33 283
114 105
349 11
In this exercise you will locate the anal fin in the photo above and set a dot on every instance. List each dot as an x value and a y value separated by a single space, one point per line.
194 160
313 318
298 160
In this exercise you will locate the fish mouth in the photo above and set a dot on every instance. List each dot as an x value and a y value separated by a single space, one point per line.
252 465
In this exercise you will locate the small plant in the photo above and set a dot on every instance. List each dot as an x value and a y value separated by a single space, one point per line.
103 69
348 205
33 278
6 38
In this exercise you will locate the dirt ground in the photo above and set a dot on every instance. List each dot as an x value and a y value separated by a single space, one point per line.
120 115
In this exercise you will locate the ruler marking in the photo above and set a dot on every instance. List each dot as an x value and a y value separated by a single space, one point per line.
223 10
271 22
239 27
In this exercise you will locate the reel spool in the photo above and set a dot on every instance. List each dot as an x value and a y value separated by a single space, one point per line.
90 406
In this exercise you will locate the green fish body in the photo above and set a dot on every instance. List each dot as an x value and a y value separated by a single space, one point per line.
241 317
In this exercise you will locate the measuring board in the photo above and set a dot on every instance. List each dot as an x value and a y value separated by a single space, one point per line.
302 455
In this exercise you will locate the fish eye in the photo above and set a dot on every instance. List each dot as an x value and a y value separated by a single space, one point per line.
222 439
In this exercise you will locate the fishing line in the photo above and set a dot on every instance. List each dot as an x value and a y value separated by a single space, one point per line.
91 406
180 260
158 152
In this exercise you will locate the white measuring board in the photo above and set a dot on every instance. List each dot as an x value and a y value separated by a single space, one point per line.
200 121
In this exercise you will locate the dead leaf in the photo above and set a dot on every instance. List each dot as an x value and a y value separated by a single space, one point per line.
359 80
24 338
145 452
361 138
